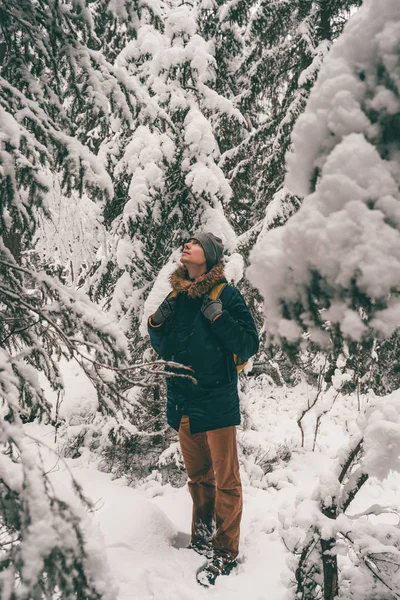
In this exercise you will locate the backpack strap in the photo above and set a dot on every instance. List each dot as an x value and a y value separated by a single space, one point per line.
216 291
214 294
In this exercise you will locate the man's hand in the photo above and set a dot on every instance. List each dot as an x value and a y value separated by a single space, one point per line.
211 309
164 311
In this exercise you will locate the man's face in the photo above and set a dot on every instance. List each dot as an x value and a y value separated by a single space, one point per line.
193 254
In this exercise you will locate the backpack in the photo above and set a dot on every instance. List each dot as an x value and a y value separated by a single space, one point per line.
215 294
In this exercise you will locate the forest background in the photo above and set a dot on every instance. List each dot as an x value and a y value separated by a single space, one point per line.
125 127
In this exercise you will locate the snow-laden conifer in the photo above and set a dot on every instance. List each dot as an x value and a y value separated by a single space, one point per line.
331 271
168 182
285 44
338 258
59 98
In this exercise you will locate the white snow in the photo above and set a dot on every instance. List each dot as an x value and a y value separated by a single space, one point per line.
144 531
382 436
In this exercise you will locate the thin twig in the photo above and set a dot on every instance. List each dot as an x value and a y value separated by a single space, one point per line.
318 421
310 406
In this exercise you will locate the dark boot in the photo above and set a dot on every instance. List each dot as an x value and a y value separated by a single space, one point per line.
219 565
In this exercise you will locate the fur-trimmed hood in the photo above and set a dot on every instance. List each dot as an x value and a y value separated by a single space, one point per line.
199 287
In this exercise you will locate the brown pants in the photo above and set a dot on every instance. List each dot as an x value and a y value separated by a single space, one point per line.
212 465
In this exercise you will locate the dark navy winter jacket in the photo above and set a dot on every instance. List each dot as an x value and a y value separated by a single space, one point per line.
190 339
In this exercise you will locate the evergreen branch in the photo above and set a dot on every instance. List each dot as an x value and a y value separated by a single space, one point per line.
18 331
191 88
37 311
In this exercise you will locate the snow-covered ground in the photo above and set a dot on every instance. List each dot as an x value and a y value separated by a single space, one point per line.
145 530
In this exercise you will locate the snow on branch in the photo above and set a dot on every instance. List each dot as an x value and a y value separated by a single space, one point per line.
337 260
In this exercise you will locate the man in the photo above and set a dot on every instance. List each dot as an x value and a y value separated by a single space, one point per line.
193 329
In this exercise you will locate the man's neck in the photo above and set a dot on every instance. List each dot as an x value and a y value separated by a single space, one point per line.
194 271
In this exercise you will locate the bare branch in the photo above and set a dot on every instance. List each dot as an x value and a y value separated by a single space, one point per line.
350 460
310 406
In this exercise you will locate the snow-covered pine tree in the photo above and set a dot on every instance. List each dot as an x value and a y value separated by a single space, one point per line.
70 241
53 87
337 259
167 180
223 25
285 43
44 550
60 99
71 104
332 271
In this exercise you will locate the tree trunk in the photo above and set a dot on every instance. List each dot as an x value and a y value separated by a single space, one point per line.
329 563
329 559
325 20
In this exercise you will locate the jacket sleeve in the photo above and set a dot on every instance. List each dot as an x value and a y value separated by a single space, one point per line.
235 328
156 333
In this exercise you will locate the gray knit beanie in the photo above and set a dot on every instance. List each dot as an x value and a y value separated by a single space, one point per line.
212 246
